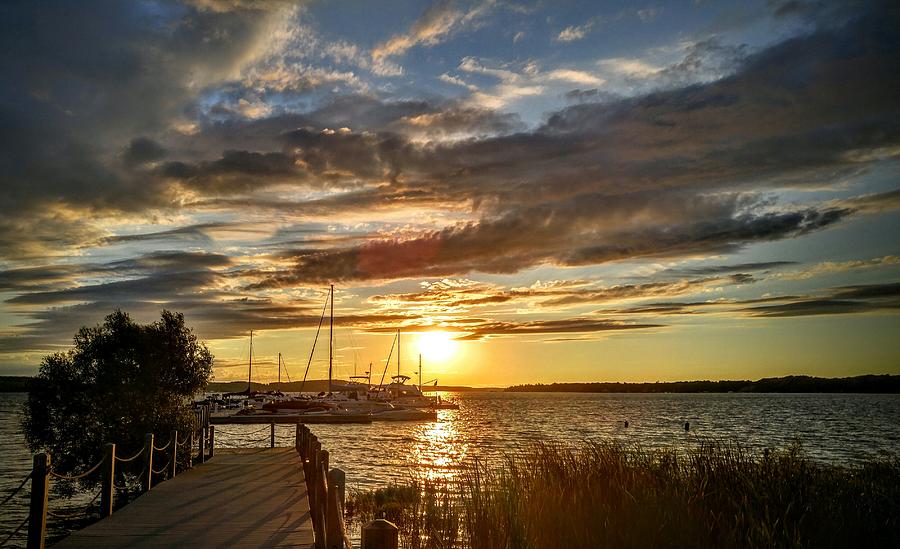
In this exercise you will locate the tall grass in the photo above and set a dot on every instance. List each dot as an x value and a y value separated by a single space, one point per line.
602 494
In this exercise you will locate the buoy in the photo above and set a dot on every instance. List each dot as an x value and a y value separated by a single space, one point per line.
687 425
626 423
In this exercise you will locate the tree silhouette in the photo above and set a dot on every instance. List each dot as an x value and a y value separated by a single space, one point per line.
120 381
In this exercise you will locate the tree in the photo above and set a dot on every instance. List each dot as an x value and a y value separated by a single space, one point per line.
120 381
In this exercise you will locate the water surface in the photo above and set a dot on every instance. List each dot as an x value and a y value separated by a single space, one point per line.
833 428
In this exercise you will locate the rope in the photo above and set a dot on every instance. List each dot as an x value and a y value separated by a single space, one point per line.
132 458
183 442
14 532
166 447
76 477
163 470
220 431
81 513
16 491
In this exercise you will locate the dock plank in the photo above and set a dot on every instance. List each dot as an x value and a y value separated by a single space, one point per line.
253 497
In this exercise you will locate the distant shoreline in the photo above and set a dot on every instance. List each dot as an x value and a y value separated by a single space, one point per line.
865 384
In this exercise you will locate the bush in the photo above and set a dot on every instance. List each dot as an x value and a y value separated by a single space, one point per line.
120 381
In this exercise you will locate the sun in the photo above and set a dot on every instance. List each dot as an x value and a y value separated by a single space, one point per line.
436 346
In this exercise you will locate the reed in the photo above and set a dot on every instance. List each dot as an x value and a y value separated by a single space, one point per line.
603 494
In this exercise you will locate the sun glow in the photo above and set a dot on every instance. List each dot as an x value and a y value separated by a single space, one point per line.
436 346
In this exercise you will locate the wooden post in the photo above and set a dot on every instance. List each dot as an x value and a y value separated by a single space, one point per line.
297 434
311 483
272 435
40 484
147 475
212 440
380 534
337 479
321 490
107 493
190 454
202 456
334 520
173 453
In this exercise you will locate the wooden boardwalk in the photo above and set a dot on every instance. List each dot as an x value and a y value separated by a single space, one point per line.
253 497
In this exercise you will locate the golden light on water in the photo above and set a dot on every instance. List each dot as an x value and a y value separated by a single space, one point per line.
437 346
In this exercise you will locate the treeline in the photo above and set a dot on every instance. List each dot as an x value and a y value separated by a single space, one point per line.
14 384
788 384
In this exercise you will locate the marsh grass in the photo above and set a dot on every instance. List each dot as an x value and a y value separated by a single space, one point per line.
603 494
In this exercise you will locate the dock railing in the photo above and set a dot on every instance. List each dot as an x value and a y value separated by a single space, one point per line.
151 472
326 487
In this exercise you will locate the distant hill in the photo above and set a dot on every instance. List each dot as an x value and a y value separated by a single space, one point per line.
14 384
317 385
311 385
788 384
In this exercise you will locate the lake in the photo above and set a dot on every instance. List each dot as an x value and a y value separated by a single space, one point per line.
833 428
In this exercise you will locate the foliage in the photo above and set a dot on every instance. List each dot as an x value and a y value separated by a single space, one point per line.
602 494
120 381
423 510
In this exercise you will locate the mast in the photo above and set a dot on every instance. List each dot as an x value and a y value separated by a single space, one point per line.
279 367
331 339
398 351
369 373
250 369
420 372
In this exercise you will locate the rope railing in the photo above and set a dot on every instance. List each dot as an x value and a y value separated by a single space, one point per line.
221 431
162 470
77 514
132 458
42 474
14 532
16 491
166 447
54 474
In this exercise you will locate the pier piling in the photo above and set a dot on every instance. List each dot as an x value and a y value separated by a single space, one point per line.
107 490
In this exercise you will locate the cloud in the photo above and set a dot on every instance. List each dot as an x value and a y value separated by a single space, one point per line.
574 32
576 77
434 26
859 299
542 327
580 231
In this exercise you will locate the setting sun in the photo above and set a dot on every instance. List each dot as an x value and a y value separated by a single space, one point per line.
436 346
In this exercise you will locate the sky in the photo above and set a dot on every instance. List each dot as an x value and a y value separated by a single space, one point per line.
530 191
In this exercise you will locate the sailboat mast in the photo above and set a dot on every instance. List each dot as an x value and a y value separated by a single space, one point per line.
398 351
250 369
331 339
279 367
420 372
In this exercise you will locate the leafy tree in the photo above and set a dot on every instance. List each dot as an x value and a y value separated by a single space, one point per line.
120 381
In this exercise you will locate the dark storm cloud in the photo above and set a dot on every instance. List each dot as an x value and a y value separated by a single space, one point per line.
142 150
83 78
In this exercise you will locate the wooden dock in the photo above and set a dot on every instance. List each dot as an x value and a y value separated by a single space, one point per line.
255 497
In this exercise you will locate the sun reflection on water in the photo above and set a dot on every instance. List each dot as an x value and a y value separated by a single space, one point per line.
439 448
